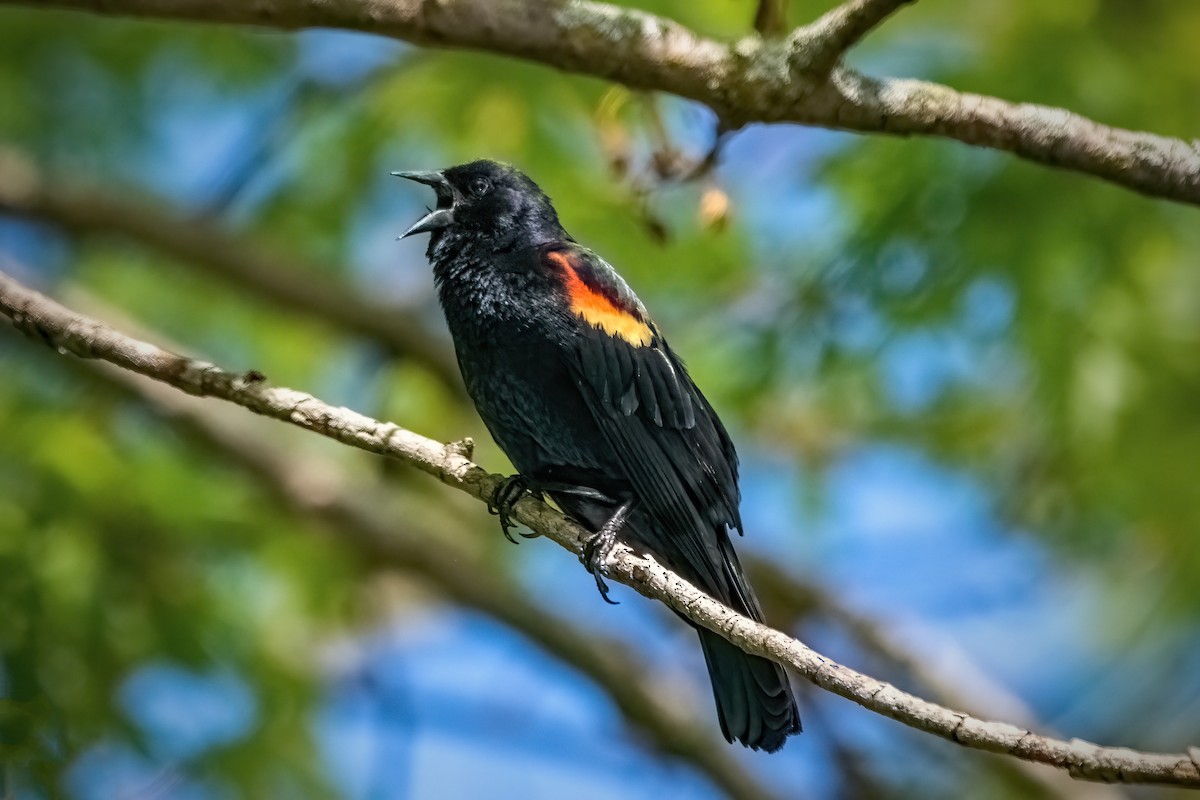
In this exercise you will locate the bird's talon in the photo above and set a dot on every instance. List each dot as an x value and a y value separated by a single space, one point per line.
595 554
506 495
603 587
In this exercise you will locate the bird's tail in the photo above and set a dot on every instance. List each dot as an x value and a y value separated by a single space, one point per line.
754 698
755 704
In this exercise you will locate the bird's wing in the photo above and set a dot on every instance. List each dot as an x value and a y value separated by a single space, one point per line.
666 436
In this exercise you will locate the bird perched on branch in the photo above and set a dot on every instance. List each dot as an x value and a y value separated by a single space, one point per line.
582 392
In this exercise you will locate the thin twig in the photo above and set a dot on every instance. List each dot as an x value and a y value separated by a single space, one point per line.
842 28
770 17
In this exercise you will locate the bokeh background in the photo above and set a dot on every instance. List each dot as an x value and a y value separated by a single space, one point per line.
965 389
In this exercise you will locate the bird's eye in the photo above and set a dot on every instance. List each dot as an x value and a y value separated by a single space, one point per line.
479 187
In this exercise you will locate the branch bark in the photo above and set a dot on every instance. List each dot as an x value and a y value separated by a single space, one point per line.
285 281
751 80
45 320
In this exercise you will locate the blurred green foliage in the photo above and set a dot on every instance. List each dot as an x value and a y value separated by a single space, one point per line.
1094 440
1073 308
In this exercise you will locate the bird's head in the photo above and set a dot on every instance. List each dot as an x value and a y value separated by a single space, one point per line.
491 202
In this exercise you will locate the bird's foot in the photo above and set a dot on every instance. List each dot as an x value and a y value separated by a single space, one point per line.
510 490
598 548
595 553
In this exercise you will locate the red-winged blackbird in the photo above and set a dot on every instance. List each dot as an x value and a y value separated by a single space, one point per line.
583 393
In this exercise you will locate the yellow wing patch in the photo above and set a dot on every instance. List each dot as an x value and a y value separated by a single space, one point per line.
600 311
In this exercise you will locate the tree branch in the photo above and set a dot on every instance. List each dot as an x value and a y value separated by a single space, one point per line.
752 80
285 281
42 319
770 17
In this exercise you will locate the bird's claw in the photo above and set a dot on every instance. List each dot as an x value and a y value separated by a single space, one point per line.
595 553
510 490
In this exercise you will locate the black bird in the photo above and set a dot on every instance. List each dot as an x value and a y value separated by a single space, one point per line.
583 393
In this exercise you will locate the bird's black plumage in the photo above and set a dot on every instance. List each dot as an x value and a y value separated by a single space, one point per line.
579 388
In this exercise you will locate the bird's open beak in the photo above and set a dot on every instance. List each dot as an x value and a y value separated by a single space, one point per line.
440 217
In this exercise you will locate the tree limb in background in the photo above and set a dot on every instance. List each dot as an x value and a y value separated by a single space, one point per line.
286 281
357 518
751 80
44 320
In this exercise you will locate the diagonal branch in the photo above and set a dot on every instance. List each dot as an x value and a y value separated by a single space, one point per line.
752 80
283 280
45 320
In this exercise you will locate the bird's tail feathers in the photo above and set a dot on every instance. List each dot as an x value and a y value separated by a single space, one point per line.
754 698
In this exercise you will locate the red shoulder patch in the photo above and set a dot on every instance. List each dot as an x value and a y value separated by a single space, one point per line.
597 307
